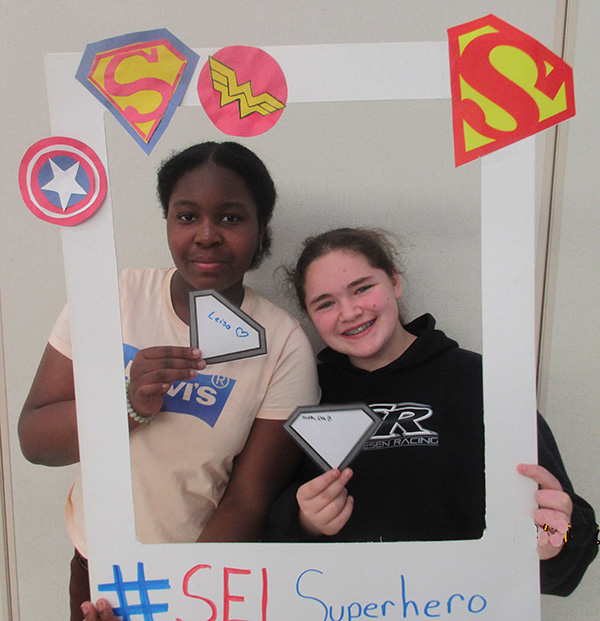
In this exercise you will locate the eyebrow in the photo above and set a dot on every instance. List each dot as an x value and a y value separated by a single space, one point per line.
185 202
325 296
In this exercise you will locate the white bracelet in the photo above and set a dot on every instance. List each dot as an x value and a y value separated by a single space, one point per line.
145 420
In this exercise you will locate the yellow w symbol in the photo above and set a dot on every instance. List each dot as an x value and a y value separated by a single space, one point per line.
225 82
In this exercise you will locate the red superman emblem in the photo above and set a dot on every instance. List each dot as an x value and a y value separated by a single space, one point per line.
505 86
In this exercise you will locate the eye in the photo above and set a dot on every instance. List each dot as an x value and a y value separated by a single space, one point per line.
363 289
232 218
324 305
186 217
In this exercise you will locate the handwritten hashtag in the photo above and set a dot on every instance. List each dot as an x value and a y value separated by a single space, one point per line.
140 586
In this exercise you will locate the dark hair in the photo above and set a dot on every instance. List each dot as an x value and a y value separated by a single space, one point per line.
374 245
235 157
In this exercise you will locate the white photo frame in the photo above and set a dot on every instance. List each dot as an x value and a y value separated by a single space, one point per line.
492 578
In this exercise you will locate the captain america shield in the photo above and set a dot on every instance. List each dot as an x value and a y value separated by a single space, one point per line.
62 180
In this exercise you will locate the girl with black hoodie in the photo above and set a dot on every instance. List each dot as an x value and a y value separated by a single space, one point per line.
421 475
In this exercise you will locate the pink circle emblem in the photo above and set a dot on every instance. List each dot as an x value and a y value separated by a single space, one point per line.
242 90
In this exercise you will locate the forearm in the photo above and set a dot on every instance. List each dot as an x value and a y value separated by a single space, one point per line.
260 473
235 521
48 435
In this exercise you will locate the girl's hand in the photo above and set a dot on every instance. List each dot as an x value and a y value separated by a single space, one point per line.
102 611
325 506
553 516
153 372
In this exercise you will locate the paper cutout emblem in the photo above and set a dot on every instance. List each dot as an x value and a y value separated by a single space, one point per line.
243 90
332 435
221 330
62 180
506 86
141 78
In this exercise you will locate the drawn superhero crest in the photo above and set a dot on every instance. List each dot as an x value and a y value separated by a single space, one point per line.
506 86
141 78
62 180
243 90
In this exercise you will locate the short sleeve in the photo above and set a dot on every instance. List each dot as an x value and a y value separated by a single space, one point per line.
60 336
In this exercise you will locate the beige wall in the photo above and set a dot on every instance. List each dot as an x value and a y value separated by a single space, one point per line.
31 278
569 378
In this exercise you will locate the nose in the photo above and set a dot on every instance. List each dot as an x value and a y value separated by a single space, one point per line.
207 233
349 310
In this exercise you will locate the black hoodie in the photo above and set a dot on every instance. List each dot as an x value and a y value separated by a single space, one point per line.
421 475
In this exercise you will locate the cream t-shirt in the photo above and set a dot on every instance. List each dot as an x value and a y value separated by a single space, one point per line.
182 461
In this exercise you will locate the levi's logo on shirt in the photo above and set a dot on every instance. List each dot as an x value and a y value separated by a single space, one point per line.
204 396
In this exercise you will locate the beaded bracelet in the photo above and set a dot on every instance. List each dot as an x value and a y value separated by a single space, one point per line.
145 420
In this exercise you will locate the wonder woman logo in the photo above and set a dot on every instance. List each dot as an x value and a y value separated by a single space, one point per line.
242 90
505 86
225 81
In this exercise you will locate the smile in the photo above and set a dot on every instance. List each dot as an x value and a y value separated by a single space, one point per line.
360 329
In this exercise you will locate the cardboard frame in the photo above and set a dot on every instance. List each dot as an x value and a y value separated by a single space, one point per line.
495 577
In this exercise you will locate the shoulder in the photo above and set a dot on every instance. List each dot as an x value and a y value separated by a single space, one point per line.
270 315
147 277
286 340
143 284
146 300
464 356
461 368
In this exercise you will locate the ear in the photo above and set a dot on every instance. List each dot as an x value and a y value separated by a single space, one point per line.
397 286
